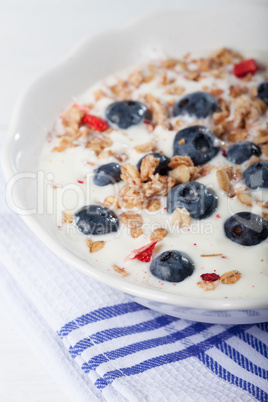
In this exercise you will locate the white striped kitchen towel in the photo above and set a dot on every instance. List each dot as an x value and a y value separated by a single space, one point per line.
102 346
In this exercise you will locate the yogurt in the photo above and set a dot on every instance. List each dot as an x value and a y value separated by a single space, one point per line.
69 170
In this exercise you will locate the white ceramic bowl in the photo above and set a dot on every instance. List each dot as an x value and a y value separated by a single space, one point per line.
240 25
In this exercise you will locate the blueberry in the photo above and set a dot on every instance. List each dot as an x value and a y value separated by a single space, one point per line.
198 104
199 200
242 151
162 168
96 220
246 228
199 144
172 266
107 174
127 113
263 92
256 175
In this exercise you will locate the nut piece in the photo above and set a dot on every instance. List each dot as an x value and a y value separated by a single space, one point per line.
67 217
121 89
158 234
174 89
262 137
237 90
131 219
154 205
245 199
112 202
121 157
158 109
146 147
169 63
223 180
136 78
136 233
120 270
230 171
181 218
207 285
96 246
237 135
219 117
72 118
159 185
99 143
148 166
89 242
180 160
63 145
133 196
230 277
130 174
181 174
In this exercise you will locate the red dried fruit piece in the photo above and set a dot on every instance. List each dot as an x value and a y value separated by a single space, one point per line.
95 122
144 253
210 277
244 67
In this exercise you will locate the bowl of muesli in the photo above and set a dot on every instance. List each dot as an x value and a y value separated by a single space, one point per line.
148 167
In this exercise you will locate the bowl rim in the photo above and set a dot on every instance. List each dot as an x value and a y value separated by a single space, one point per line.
57 248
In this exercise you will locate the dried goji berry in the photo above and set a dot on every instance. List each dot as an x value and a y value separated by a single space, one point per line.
95 122
144 253
210 277
244 67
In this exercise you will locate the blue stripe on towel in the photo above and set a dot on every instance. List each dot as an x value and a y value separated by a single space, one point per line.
191 330
255 343
221 372
263 326
112 333
242 360
157 361
103 313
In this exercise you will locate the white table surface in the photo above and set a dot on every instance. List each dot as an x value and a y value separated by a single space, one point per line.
33 36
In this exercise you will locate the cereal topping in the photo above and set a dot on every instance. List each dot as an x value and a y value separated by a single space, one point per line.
159 110
131 219
136 233
94 246
181 218
146 147
230 277
67 217
158 234
208 285
223 180
120 270
148 166
245 199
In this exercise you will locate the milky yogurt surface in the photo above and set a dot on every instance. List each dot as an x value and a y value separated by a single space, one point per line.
70 187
